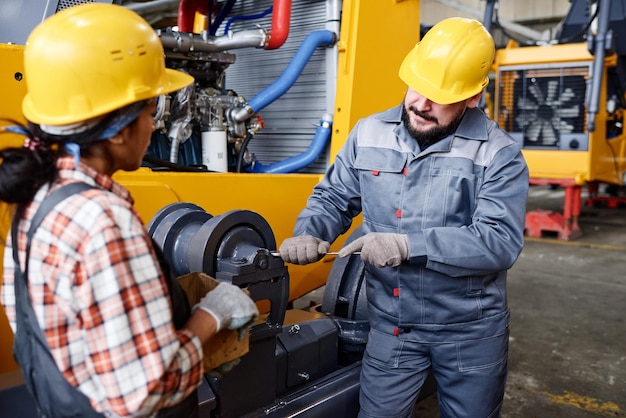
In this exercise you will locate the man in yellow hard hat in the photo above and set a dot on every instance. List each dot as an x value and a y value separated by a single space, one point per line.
101 330
442 190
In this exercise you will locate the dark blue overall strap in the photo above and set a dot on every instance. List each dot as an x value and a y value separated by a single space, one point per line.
55 397
47 205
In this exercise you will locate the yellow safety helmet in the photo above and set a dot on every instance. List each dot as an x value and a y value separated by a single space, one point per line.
451 63
91 59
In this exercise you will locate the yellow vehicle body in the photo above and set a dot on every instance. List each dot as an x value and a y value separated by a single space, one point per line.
375 36
604 160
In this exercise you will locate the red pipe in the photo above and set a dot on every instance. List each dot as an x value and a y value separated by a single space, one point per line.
281 20
187 12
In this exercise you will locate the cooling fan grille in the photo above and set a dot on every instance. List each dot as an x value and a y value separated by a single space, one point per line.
544 105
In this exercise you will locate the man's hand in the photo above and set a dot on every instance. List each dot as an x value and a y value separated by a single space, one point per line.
303 250
231 307
380 249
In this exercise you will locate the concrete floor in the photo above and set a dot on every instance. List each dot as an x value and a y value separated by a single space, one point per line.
568 331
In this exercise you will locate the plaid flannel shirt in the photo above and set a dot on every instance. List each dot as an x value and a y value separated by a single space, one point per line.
101 300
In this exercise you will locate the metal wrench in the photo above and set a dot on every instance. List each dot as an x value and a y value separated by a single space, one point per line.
277 254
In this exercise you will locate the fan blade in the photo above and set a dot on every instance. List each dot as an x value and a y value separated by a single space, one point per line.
525 104
526 118
551 91
535 90
548 133
565 127
533 131
567 95
568 112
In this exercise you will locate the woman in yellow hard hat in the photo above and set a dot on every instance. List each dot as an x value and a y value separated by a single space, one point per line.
442 190
100 327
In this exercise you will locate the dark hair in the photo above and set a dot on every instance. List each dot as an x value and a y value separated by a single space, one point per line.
23 170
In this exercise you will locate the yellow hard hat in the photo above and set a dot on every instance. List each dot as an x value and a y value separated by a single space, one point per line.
451 63
91 59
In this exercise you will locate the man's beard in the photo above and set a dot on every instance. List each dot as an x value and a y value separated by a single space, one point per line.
433 135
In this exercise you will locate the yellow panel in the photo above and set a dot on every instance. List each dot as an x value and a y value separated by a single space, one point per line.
13 88
12 82
608 155
558 164
273 196
375 37
6 334
552 54
7 363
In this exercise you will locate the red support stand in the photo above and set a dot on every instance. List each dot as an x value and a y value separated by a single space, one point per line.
611 202
565 225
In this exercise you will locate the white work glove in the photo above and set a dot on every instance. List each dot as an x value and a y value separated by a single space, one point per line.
303 250
379 249
231 307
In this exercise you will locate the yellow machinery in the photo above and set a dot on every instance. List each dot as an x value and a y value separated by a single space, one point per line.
564 103
358 64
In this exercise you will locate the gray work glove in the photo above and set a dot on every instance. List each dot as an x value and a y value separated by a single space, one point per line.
231 307
304 249
379 249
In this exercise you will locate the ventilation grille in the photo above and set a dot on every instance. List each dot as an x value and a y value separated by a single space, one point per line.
545 107
290 121
66 4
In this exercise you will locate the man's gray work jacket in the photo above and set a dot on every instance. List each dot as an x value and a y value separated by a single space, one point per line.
462 204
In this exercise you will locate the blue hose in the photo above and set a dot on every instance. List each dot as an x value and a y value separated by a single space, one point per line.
226 9
249 17
297 162
293 70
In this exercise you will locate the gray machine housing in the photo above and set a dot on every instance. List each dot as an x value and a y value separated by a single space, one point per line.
19 17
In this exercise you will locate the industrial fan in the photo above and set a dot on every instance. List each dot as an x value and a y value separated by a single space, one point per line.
548 107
